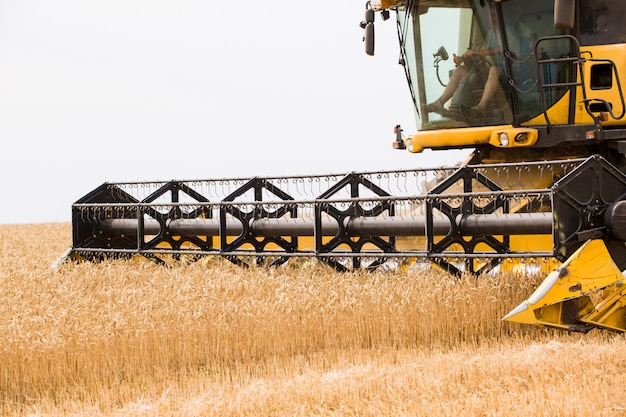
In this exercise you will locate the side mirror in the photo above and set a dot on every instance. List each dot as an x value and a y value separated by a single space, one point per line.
564 14
368 25
369 39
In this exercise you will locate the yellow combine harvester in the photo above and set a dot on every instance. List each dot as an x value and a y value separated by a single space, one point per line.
532 86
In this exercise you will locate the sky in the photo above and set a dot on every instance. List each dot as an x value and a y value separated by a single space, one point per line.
95 91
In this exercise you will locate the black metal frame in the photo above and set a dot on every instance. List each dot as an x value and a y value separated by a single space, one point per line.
580 200
467 205
257 185
355 222
354 183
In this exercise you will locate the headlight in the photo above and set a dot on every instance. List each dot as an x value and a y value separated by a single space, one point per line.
504 139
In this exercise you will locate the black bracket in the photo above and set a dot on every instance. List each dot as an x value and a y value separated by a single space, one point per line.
463 183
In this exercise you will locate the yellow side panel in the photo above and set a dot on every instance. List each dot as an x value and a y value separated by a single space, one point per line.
559 112
617 54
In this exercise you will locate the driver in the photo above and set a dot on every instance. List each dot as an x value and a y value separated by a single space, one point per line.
466 64
459 74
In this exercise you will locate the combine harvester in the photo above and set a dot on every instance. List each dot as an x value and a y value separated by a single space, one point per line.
539 100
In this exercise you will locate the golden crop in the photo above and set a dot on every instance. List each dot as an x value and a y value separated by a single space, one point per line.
210 338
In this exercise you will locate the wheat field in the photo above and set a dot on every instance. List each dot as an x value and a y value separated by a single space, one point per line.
212 339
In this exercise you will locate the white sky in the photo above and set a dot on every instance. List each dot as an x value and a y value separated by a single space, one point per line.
124 90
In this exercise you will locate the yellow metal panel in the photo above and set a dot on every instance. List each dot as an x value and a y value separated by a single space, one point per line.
385 4
611 312
558 113
468 137
451 138
617 54
581 279
536 243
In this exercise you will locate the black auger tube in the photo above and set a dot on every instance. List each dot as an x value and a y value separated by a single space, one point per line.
469 225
